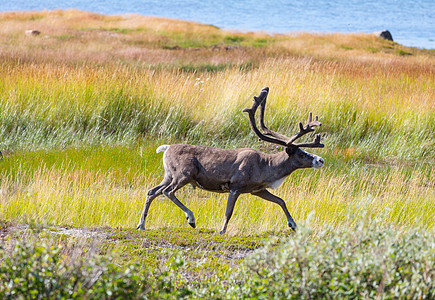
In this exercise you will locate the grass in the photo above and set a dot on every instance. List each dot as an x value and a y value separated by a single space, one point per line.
106 186
84 105
122 104
78 128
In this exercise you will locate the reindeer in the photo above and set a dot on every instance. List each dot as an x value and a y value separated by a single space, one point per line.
235 171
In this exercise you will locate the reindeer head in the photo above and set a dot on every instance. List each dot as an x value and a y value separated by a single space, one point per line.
300 158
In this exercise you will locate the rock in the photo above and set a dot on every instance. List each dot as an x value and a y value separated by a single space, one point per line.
385 34
32 32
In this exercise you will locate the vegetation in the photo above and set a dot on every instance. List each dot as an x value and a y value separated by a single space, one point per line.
84 105
40 270
366 262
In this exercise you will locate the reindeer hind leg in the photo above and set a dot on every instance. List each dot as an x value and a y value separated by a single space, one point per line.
151 195
169 192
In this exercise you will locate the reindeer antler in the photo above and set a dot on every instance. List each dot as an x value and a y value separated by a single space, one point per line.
263 127
251 112
315 144
304 130
275 137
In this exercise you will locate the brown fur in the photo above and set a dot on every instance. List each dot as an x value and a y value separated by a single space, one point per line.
234 171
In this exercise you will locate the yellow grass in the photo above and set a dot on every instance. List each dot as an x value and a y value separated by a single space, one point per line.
99 199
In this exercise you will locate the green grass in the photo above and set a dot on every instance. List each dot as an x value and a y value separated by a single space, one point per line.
106 186
84 141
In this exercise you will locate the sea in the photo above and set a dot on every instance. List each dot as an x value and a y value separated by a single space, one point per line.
411 23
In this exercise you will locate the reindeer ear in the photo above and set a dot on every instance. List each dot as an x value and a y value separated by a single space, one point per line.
290 150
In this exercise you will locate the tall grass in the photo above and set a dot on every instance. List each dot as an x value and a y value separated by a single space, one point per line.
107 187
379 115
84 105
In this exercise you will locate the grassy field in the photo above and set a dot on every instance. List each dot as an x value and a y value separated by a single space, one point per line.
84 105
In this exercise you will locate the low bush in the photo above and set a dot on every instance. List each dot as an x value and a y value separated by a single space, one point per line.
41 270
364 263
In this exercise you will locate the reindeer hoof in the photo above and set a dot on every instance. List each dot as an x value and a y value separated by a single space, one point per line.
192 224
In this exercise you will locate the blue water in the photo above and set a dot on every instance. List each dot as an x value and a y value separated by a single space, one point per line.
412 23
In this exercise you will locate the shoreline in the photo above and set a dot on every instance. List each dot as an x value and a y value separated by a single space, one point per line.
424 44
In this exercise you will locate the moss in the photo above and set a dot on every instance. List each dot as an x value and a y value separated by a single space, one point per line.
233 39
261 42
372 49
65 37
204 252
402 52
204 239
122 30
346 47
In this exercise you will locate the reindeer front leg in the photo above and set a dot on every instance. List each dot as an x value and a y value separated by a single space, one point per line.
232 198
266 195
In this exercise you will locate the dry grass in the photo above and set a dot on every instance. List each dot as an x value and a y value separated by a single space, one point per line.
73 36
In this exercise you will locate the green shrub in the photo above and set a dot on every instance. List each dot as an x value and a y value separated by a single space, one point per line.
40 270
364 263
